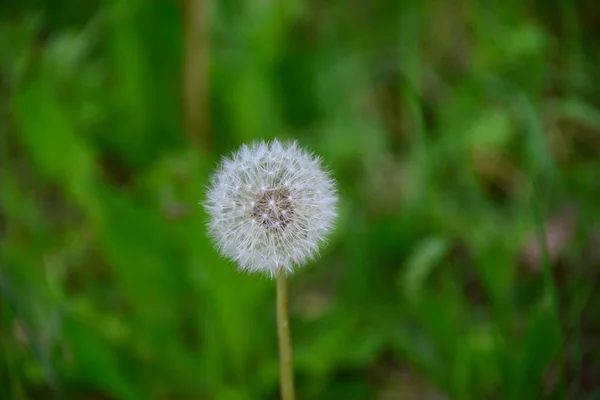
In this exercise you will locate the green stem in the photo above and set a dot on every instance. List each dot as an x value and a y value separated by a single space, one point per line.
286 367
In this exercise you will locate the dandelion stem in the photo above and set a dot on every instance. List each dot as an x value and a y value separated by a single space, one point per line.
286 367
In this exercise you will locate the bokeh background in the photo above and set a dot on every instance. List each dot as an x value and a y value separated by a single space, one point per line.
462 135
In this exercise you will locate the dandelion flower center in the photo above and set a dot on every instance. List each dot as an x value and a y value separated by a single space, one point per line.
274 209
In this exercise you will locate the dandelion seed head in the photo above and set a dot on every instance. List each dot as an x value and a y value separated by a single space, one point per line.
270 206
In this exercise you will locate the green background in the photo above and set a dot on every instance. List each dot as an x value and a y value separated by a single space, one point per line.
461 134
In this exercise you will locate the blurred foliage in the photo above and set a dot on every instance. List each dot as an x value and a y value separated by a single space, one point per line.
462 135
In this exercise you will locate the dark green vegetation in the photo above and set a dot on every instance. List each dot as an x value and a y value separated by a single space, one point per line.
461 134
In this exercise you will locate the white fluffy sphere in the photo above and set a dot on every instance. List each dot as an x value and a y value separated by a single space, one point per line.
270 206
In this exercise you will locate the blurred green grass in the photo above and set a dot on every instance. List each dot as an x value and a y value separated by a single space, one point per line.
462 135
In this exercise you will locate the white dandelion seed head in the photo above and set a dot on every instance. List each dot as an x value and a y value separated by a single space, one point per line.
270 206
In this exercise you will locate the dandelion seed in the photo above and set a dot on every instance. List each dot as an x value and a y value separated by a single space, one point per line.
293 206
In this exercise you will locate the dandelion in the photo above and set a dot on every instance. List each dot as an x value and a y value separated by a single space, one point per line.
271 205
